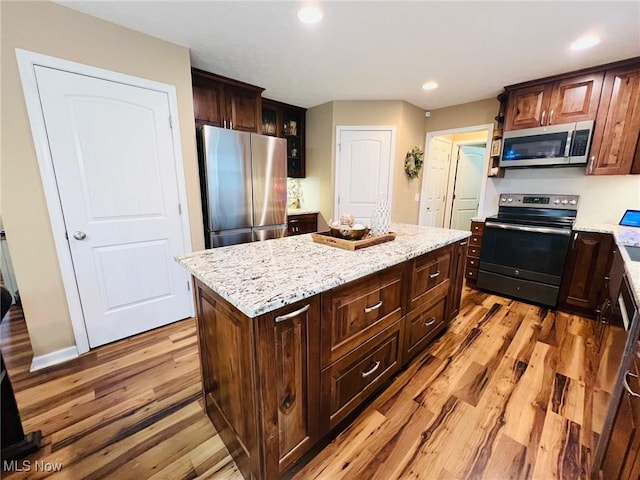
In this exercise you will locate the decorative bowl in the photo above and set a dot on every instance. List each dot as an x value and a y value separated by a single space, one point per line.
349 233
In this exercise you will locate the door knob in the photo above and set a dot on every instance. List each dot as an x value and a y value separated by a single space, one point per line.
79 235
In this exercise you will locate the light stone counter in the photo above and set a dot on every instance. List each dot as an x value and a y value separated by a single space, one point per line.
624 237
260 277
300 211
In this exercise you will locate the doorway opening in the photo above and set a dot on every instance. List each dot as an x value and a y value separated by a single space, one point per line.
454 182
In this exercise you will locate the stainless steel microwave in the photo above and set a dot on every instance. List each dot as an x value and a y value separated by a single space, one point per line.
553 145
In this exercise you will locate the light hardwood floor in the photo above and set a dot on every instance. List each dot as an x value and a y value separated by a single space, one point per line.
509 391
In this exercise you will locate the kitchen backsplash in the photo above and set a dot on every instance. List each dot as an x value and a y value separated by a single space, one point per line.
303 193
603 198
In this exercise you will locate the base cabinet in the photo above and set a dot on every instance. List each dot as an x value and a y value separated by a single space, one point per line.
288 343
275 385
584 275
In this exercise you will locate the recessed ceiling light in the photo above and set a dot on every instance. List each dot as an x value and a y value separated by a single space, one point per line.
310 15
585 42
429 85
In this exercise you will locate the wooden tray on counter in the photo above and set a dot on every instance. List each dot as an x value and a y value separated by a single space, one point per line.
327 239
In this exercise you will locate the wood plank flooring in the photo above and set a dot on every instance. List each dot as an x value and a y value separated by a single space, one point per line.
509 391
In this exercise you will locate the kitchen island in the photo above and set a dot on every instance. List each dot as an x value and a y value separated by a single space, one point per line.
294 336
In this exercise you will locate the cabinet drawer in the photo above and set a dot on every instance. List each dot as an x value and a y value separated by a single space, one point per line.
472 263
422 326
349 381
473 252
475 240
471 274
299 224
477 227
354 313
428 272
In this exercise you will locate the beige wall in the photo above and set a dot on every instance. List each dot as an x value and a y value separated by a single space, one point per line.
54 30
319 165
321 129
598 202
466 115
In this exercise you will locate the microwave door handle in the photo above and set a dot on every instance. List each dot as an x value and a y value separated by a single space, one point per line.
567 147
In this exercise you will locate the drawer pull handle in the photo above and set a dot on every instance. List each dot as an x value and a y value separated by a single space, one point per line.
431 321
434 275
373 307
282 318
373 369
626 384
462 244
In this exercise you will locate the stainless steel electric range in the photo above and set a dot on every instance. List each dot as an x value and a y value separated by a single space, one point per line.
525 246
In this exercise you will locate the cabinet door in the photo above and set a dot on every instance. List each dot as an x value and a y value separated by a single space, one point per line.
288 361
527 107
585 270
457 276
575 99
225 338
208 105
617 129
244 109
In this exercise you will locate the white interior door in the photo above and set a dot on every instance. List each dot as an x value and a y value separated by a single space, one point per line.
112 152
363 171
434 187
466 192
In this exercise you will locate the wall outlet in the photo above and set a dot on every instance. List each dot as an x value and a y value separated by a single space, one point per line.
416 198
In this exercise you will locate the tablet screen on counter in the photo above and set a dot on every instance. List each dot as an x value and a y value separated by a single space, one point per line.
631 218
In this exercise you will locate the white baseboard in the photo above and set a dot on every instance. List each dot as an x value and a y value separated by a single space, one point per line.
53 358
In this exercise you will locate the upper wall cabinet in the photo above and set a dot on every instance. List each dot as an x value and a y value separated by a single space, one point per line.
226 103
287 121
608 94
567 100
615 149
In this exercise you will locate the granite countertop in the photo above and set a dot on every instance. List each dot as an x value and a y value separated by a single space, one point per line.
300 211
262 276
624 237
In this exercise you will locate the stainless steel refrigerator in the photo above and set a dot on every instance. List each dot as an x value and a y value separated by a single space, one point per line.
243 180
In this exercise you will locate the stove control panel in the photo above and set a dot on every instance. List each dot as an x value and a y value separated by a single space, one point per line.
566 202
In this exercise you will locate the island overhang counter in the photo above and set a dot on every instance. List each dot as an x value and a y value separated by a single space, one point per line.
294 335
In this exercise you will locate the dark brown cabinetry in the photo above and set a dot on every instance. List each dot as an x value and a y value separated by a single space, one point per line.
567 100
473 253
427 304
282 348
355 312
275 385
287 121
584 273
458 266
226 103
288 346
303 223
617 454
615 149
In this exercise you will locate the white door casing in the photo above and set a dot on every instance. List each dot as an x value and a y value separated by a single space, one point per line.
364 169
424 216
467 181
435 181
107 139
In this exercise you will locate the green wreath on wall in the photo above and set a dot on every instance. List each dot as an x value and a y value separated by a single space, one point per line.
413 162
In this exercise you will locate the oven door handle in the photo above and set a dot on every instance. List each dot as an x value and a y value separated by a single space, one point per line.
523 228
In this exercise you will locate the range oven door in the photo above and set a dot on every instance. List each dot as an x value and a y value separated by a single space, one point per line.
523 261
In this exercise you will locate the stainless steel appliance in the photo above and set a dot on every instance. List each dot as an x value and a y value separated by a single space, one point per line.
525 246
243 180
553 145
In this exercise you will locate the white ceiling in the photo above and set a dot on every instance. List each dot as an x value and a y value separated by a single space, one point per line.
384 49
